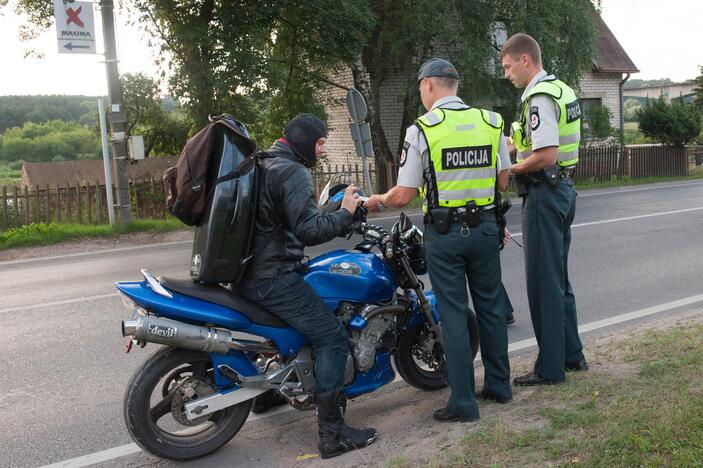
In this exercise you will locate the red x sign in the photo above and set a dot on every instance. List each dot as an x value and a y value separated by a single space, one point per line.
73 17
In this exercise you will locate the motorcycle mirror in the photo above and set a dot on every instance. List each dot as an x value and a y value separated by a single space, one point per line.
405 223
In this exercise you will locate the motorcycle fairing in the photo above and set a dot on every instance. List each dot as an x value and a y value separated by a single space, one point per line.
379 375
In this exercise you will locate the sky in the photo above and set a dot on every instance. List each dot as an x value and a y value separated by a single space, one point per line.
662 39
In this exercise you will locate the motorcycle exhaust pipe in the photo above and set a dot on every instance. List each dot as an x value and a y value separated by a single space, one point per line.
183 335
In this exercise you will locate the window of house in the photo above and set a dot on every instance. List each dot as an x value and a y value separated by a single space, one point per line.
588 103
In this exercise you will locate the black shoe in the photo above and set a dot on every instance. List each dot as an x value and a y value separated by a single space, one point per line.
486 394
580 366
336 437
510 320
446 415
534 379
267 400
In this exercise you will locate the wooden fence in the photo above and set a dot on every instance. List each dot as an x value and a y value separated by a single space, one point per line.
81 204
86 204
601 163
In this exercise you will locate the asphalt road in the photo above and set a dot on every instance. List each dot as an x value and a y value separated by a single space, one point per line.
61 351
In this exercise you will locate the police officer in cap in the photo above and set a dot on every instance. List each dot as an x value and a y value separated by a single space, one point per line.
546 140
287 220
456 155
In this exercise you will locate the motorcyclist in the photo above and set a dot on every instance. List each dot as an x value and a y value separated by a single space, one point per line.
288 211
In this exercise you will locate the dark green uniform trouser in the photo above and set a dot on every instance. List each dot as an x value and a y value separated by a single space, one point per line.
451 261
546 228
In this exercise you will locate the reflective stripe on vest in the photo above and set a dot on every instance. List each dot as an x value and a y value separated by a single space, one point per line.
569 122
463 151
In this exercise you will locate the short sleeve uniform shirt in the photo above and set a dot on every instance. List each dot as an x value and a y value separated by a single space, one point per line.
542 117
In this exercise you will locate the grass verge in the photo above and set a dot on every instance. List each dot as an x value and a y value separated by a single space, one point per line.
643 406
53 233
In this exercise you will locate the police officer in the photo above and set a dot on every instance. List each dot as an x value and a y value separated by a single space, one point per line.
287 220
456 155
546 140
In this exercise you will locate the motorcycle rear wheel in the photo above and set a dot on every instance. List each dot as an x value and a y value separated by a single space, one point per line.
153 407
417 372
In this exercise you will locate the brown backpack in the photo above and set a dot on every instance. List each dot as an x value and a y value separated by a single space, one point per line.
186 185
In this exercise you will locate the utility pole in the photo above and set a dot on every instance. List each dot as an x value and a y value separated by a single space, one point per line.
116 115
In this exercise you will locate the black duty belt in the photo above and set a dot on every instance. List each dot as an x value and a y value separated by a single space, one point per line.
541 176
458 215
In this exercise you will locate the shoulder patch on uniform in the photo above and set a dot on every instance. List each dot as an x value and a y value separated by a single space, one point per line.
573 111
534 117
404 153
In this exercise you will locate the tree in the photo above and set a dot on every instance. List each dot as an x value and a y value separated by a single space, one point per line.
407 33
596 123
699 90
164 133
675 124
48 141
266 60
253 58
16 110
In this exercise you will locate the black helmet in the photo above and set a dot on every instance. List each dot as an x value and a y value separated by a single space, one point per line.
302 132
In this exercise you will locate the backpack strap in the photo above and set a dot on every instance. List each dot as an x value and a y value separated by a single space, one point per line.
279 228
284 176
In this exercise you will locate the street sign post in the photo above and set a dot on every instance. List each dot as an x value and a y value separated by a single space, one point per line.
75 27
360 132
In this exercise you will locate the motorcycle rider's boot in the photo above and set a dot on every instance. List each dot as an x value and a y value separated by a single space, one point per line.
336 438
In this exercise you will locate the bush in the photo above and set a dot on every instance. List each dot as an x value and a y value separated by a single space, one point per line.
596 123
675 124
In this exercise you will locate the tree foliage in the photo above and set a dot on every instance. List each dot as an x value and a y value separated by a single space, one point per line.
407 33
699 90
266 60
671 124
253 59
16 110
596 123
165 132
55 140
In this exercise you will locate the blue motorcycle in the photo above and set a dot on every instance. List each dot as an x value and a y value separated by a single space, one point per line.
194 394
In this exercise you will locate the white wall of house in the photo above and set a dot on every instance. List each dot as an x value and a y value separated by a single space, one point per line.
606 87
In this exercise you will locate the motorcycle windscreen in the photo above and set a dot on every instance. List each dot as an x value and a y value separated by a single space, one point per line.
222 238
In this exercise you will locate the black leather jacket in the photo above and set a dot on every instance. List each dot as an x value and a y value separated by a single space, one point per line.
290 203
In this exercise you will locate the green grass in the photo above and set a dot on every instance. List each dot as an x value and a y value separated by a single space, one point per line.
47 234
644 409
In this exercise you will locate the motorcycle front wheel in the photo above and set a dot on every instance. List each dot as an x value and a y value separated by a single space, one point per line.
154 411
419 358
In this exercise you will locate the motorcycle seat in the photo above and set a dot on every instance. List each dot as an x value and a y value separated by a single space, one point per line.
224 297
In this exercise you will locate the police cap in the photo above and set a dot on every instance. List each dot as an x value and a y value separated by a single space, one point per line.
437 67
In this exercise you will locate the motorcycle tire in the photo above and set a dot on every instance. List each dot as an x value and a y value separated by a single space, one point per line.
408 367
178 441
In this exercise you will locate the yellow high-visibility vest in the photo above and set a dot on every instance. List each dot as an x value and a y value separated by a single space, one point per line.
463 151
569 122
